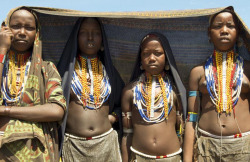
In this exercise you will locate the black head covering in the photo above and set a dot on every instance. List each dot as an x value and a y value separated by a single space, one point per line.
66 67
173 68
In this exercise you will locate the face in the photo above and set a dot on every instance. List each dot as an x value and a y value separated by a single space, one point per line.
223 32
23 27
89 37
152 56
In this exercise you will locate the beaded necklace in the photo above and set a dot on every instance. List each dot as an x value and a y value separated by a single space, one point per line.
90 82
15 75
144 96
222 71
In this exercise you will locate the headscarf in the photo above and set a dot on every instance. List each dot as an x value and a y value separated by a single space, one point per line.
36 58
66 66
173 68
19 132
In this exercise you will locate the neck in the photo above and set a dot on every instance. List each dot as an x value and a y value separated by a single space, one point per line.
25 55
20 52
224 51
153 75
88 56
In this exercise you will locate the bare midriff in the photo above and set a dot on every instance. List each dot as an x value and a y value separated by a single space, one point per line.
84 122
225 124
155 139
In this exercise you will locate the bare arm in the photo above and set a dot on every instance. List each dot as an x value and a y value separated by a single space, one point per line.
42 113
179 118
5 43
193 105
127 97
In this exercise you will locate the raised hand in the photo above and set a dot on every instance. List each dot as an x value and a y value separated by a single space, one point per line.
6 37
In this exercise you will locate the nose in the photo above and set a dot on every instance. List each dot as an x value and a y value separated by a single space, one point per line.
90 36
152 57
22 32
224 30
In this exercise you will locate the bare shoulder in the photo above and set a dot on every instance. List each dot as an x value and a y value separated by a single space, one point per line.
128 88
127 97
197 70
195 75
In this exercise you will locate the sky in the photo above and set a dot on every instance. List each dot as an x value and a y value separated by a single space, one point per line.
242 7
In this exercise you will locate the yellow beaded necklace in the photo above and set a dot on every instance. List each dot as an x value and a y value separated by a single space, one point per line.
229 75
15 67
97 70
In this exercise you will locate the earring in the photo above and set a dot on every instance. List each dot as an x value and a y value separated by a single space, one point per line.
102 48
167 67
141 67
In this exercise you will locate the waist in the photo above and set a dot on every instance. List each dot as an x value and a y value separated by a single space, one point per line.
88 138
154 156
238 135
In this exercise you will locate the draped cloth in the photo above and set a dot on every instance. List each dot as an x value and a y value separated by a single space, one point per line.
34 141
66 67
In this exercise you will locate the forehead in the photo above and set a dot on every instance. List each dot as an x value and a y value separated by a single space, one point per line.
21 15
90 23
224 16
152 41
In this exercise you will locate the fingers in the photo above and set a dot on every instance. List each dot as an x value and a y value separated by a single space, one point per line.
3 24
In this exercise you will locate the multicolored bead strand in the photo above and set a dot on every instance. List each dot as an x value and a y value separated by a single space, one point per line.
222 71
90 82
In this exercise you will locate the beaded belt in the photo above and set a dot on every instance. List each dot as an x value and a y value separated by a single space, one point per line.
239 135
89 138
155 157
1 133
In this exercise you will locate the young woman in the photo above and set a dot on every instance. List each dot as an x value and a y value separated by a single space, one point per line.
151 104
31 94
219 98
92 87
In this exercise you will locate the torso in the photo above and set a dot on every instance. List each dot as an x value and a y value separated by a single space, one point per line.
84 122
156 138
209 119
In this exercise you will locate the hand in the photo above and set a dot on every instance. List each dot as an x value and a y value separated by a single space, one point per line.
6 37
112 119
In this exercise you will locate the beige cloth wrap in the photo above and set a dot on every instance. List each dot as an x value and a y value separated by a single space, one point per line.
232 150
104 149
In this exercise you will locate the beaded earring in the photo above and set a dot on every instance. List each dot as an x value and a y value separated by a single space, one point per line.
141 67
167 67
102 48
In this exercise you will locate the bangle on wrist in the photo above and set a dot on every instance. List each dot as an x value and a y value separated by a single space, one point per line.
7 111
2 58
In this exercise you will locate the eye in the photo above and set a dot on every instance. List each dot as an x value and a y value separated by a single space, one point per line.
231 26
15 26
30 28
217 26
97 33
158 53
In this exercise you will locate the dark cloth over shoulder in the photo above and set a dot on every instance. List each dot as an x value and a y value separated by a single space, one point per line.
66 67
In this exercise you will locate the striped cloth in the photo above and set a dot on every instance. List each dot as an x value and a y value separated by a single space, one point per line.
186 31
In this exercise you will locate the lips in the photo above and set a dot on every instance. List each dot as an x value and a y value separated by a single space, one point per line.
21 41
152 65
90 45
224 39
